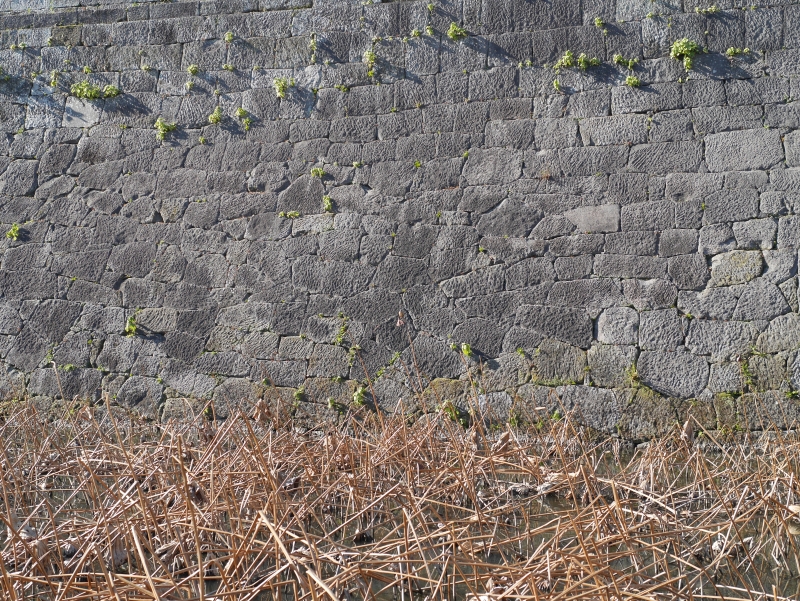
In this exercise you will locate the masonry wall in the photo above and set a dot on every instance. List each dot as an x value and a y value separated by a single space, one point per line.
632 249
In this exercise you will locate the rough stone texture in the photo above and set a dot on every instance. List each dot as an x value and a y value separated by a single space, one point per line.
570 237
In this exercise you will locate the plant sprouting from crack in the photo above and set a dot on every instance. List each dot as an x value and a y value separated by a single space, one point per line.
685 50
215 117
466 349
327 204
621 60
566 61
193 69
282 85
632 81
369 59
584 62
85 90
13 233
289 214
130 325
456 33
359 396
110 91
317 172
312 46
163 128
342 332
732 52
228 37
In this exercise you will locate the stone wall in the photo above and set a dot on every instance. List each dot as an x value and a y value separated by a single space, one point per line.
631 247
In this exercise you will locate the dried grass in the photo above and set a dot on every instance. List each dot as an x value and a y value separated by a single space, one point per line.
97 507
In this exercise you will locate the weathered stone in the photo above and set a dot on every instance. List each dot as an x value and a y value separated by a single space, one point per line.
721 340
660 330
609 365
675 373
735 267
743 150
618 325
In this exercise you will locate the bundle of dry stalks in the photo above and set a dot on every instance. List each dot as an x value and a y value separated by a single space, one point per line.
379 508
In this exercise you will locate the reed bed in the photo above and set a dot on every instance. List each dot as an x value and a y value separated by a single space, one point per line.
100 507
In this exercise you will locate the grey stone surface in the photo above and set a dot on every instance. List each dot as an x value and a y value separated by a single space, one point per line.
463 200
735 267
678 374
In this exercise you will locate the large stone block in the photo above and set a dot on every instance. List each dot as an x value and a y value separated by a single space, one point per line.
678 373
743 150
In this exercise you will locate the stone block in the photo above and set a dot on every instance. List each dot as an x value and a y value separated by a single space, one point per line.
660 330
743 150
736 267
597 219
673 373
618 325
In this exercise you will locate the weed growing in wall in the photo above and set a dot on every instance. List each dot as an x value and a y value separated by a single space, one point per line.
163 128
456 33
684 49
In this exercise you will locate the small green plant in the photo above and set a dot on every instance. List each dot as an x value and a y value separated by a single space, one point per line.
359 396
520 351
163 128
189 85
193 69
456 33
632 81
369 59
584 62
342 88
632 376
246 123
110 91
684 49
145 67
342 332
228 37
417 164
69 367
707 11
416 33
327 204
429 30
130 326
312 46
87 69
792 394
228 67
53 78
557 85
357 164
466 349
630 63
13 233
731 52
289 214
565 62
241 113
85 90
317 172
215 117
281 85
431 7
598 22
202 140
299 394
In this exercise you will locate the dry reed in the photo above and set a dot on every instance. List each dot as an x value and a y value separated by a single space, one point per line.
97 508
